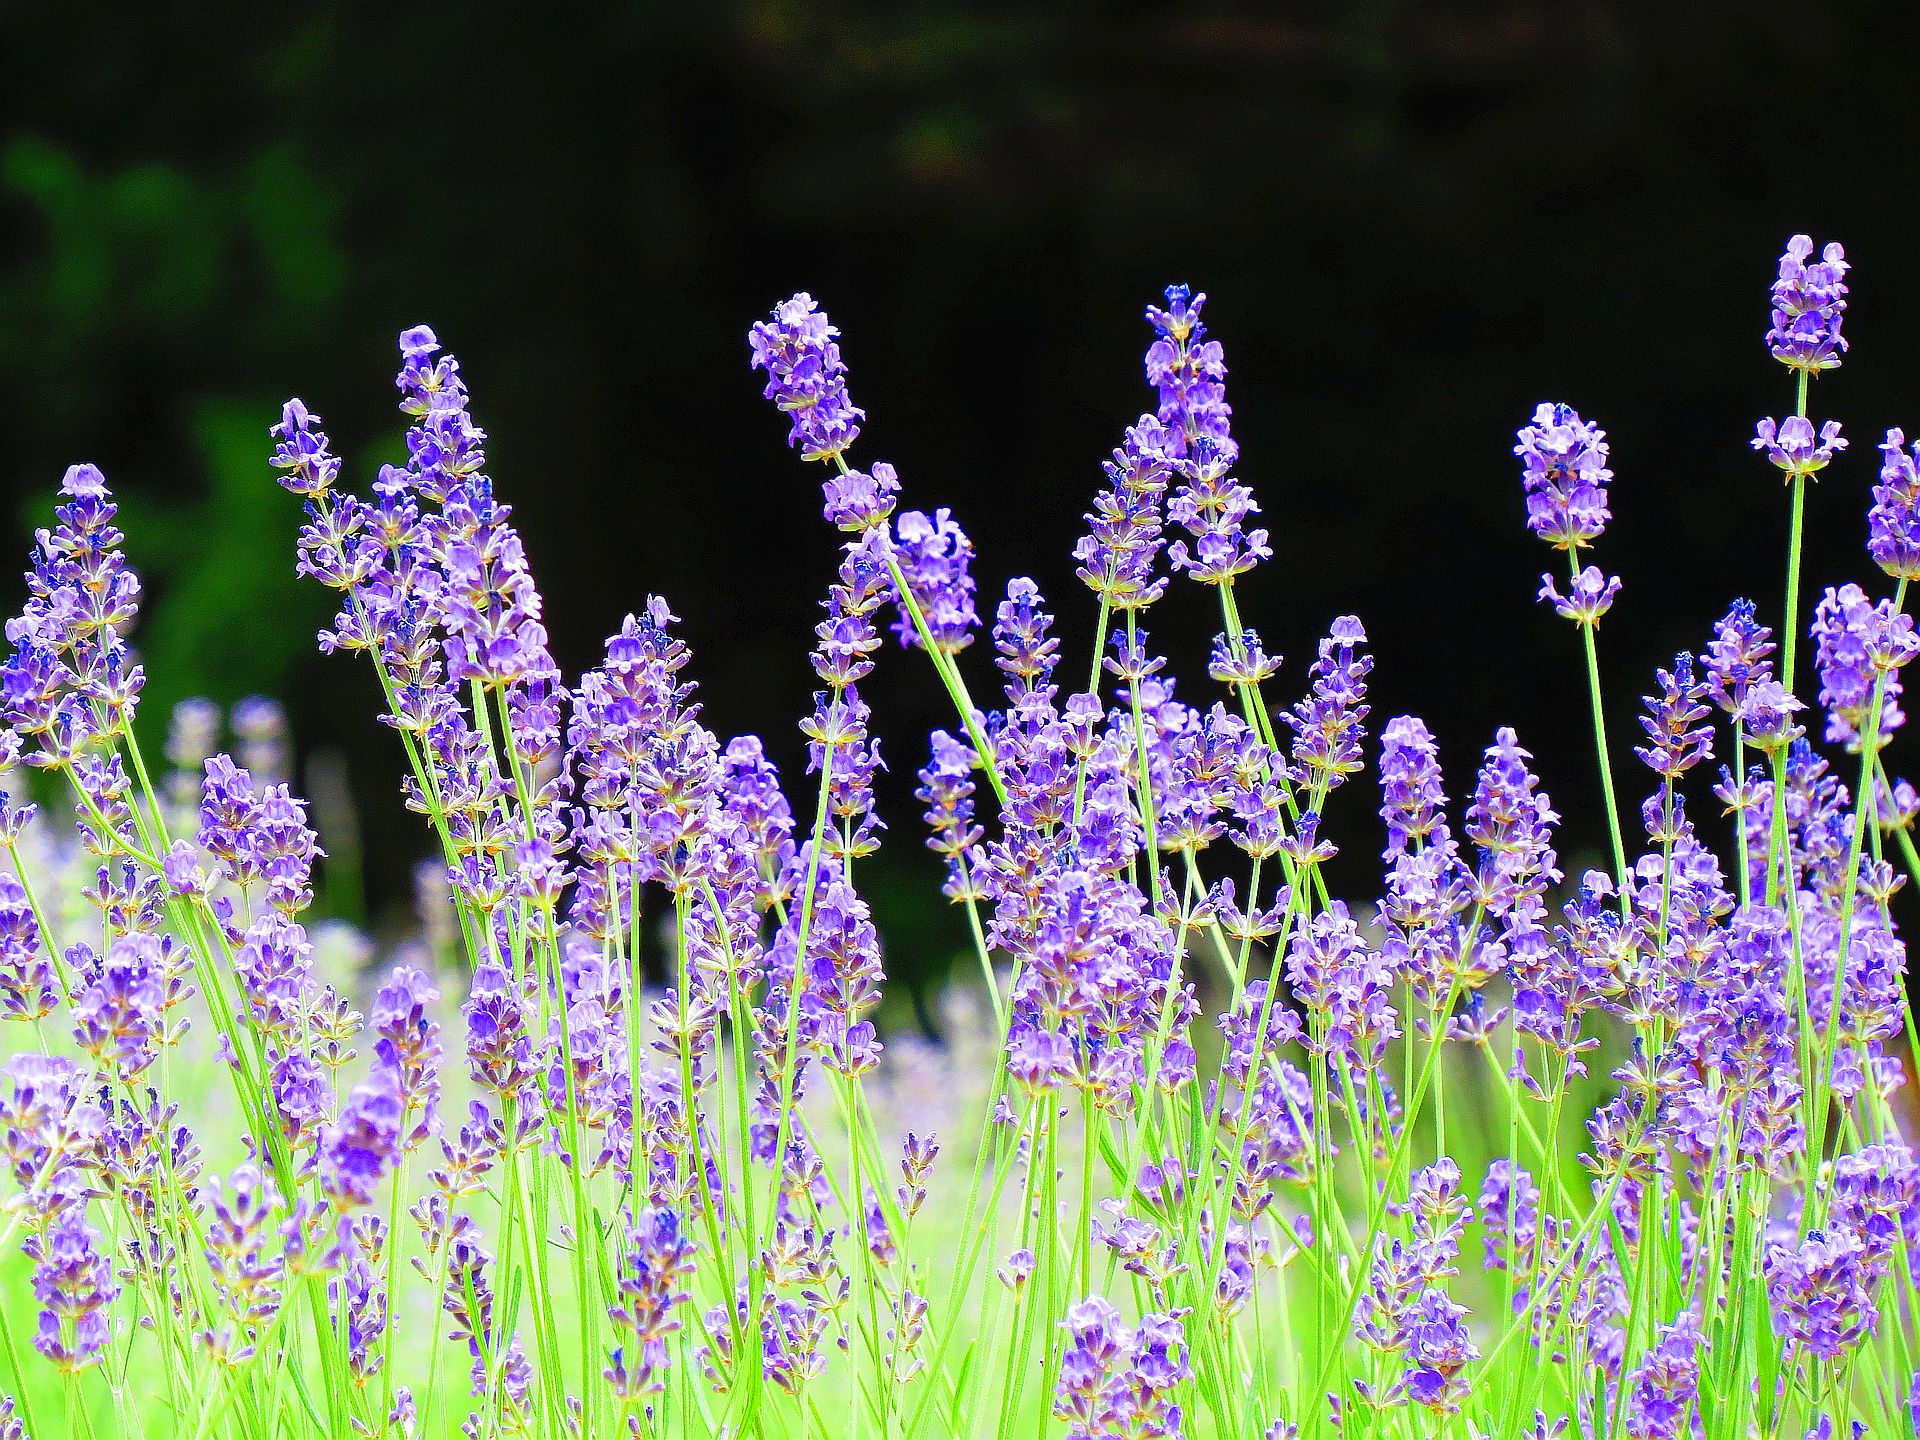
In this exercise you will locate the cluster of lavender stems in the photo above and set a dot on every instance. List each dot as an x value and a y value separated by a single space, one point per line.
620 1142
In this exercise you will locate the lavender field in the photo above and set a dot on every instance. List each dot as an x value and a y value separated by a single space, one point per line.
623 1138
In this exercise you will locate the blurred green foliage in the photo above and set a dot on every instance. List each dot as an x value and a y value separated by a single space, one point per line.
156 250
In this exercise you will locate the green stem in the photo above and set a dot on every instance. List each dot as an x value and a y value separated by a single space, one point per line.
1601 749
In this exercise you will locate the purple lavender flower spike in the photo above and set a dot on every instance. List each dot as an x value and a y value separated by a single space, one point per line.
839 725
247 1268
1341 979
1563 464
468 1298
1736 659
1118 1382
1809 302
116 1015
499 1050
936 561
658 1259
859 501
1663 1388
408 1047
1855 643
1438 1350
1512 823
1822 1292
1330 724
26 969
806 378
311 468
363 1143
1190 372
1893 522
1509 1209
49 1130
1027 650
1676 740
1117 554
73 1280
71 677
1413 797
1213 508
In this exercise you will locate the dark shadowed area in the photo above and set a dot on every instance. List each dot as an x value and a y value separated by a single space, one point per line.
1414 222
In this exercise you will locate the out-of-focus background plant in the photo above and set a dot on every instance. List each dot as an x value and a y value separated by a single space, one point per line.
1420 218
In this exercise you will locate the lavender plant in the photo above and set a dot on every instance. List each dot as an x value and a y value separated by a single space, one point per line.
617 1146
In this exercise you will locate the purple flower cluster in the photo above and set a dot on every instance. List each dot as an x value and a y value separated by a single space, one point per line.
71 683
807 379
1664 1387
1405 1308
1329 725
1822 1291
1795 448
1809 302
1190 372
1117 555
936 559
1563 465
652 1288
1117 1382
1563 469
73 1280
1893 522
1859 649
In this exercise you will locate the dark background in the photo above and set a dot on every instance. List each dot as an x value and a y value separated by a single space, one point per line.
1415 221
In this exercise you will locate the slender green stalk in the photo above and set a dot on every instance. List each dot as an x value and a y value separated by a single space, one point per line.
1598 705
